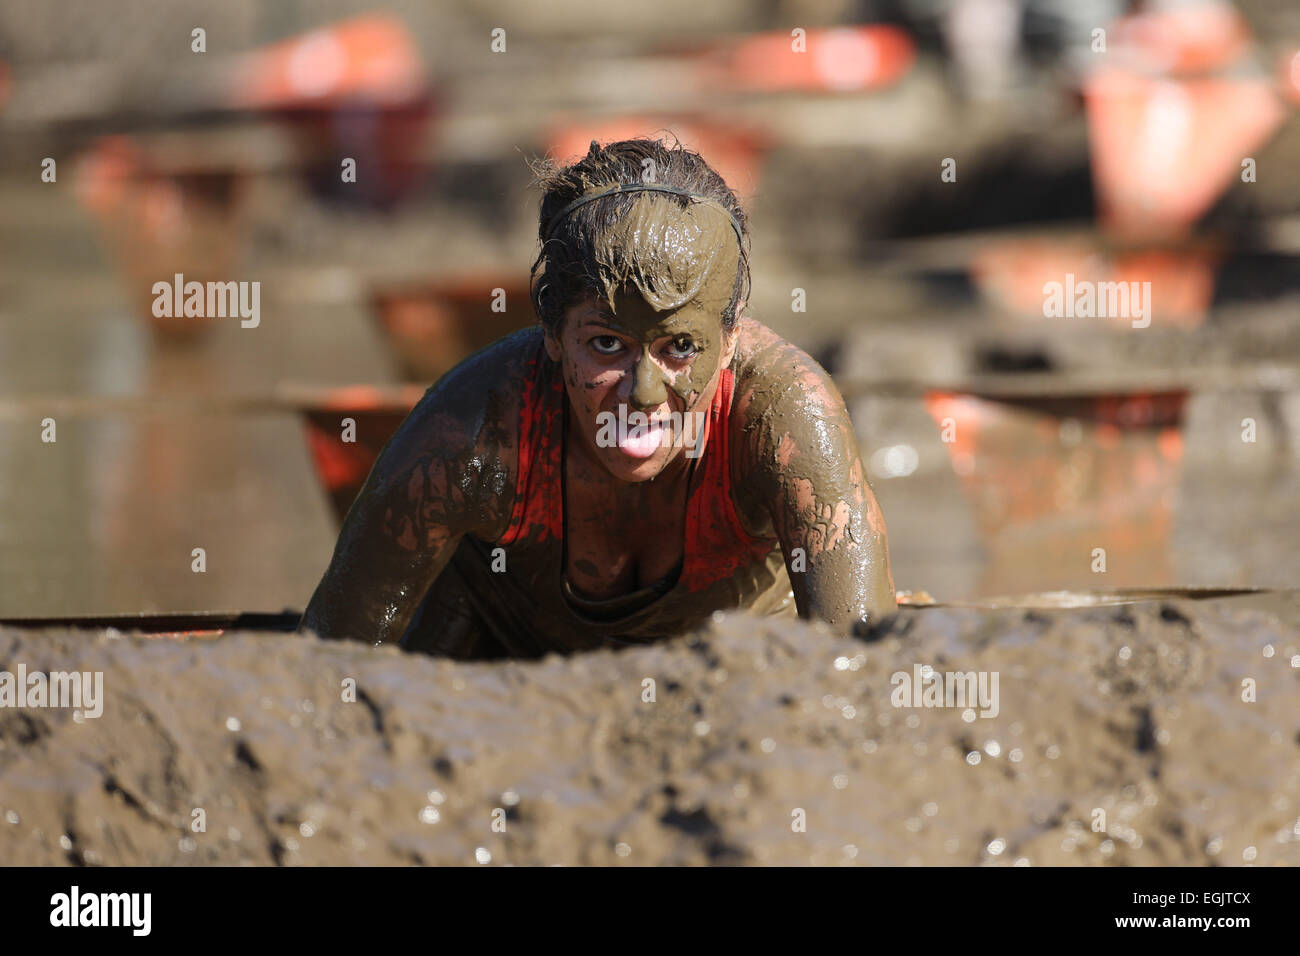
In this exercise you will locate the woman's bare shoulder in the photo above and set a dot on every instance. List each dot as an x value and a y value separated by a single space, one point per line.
490 379
773 372
461 439
785 406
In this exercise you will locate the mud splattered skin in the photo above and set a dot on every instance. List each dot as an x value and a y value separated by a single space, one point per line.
797 472
443 514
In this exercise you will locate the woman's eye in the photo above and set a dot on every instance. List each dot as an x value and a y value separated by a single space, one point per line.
682 348
606 344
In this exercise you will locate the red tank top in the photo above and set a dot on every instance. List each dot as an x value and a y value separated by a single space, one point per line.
716 545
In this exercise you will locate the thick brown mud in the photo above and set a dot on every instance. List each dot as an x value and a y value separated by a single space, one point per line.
1121 737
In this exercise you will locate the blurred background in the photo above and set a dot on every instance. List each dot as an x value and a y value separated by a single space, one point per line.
915 171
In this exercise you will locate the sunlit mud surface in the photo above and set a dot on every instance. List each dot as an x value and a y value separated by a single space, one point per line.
1121 737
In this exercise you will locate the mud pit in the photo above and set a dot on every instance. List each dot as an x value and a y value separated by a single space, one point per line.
752 720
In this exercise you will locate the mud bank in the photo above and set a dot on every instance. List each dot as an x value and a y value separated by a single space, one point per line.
1134 710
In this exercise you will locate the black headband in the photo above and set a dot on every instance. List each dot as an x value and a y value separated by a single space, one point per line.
641 187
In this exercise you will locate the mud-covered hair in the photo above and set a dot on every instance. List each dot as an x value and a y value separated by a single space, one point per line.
574 259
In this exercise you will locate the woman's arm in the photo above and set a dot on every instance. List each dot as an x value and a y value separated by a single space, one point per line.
438 478
808 476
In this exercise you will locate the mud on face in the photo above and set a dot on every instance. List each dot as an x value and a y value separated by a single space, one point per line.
598 245
655 342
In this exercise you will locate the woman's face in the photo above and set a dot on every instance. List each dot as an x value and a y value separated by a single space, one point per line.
639 380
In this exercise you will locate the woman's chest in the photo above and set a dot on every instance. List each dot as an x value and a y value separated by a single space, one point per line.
616 543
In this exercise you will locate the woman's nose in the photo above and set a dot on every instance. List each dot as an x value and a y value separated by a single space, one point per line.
649 390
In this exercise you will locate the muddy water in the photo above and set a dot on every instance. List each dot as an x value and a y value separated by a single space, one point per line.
1133 710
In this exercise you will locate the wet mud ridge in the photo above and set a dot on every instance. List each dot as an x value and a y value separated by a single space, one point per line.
1160 732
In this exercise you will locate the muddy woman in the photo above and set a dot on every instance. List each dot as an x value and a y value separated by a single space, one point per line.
646 455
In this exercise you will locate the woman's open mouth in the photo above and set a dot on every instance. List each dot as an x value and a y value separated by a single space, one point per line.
642 441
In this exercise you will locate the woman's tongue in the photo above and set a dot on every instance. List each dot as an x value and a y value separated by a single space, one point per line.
642 441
